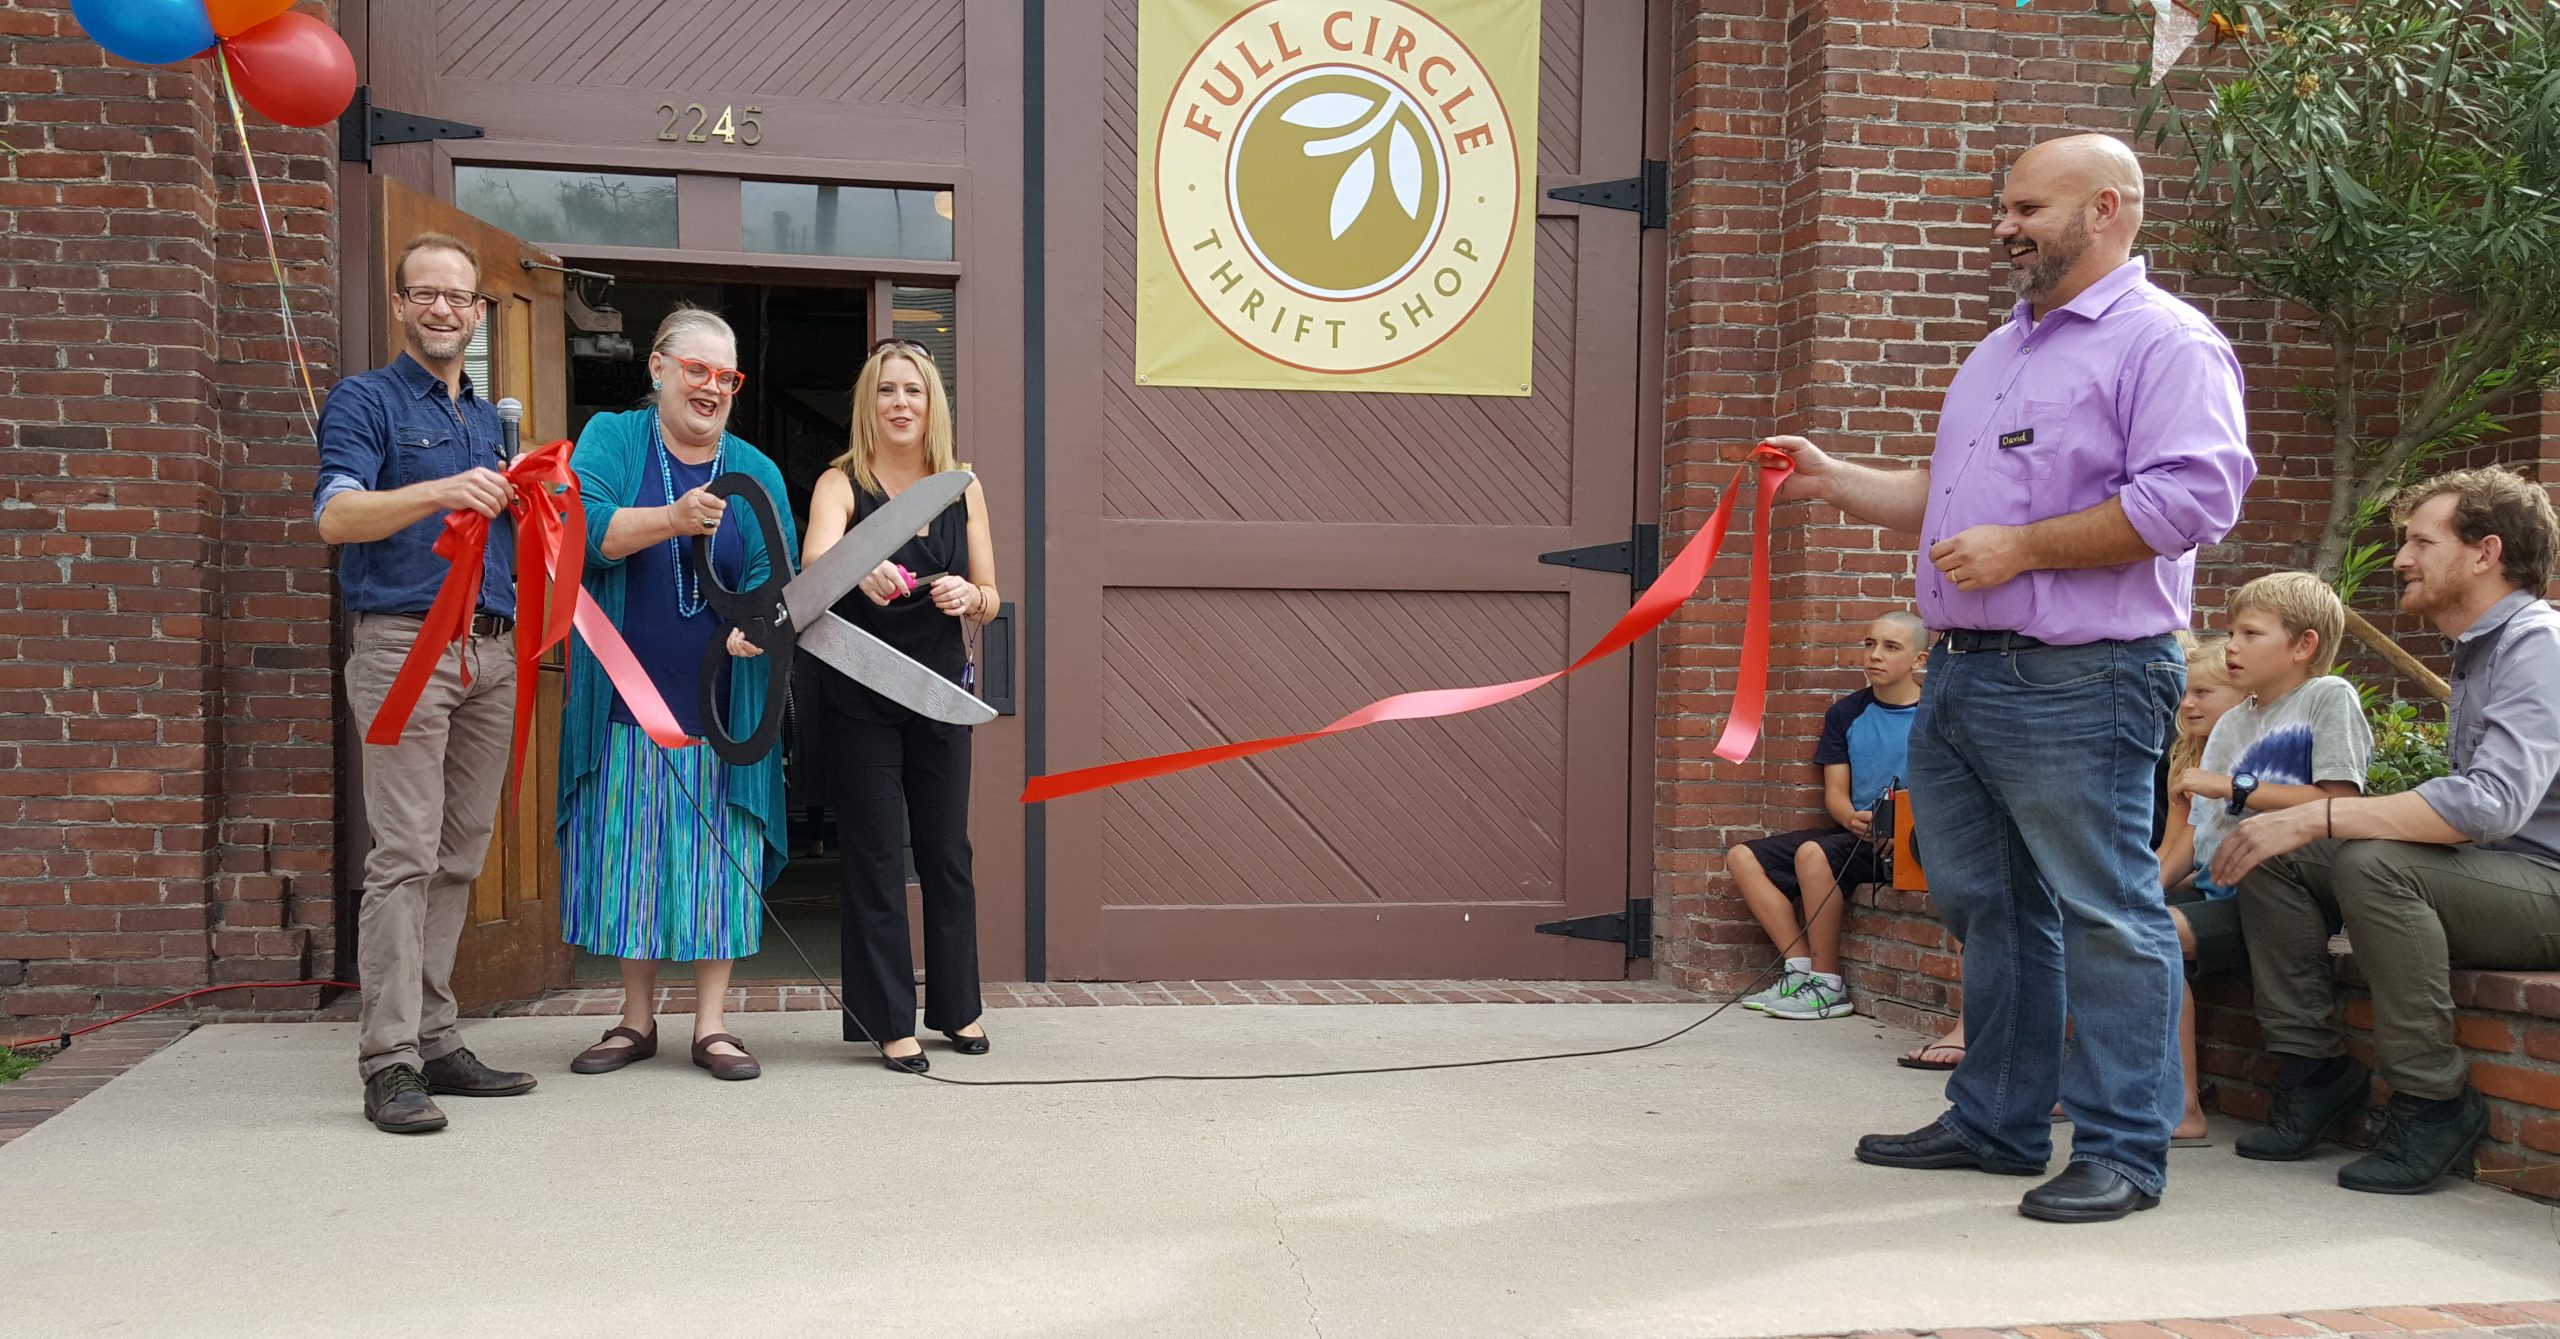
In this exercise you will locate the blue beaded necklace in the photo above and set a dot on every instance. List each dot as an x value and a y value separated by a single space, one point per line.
689 600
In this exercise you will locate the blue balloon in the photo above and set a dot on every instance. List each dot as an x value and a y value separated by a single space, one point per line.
146 32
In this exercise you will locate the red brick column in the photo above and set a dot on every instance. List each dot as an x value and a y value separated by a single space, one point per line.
163 623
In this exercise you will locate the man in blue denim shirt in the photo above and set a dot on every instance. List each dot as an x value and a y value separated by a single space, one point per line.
399 448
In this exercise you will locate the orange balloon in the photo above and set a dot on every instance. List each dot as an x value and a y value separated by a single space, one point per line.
234 17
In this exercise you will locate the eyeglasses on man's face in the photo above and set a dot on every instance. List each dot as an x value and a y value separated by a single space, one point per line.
698 374
461 300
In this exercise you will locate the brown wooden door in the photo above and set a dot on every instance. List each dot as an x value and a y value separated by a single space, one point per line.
1246 563
511 944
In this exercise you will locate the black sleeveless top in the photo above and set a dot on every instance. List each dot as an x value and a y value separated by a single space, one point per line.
910 623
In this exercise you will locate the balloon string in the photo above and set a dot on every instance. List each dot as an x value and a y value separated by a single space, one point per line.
275 259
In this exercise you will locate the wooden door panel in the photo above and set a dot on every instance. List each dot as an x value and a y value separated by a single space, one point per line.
511 946
1266 561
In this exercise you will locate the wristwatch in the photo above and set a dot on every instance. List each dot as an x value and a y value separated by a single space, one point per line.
2243 785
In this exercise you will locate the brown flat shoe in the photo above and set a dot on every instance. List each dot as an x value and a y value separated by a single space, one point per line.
603 1059
740 1066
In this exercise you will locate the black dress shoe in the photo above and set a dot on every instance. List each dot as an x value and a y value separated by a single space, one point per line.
459 1073
2303 1113
906 1064
976 1045
2420 1142
2085 1193
1932 1146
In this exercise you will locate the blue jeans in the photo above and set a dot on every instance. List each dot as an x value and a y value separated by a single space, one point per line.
2031 785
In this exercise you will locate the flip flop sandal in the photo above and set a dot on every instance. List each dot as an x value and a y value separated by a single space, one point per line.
1919 1059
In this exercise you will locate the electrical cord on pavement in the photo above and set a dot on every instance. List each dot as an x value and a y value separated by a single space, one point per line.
754 881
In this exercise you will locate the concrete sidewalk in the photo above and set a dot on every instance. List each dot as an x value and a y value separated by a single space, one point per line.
1701 1188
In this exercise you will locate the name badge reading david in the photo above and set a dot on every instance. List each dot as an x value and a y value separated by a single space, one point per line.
2022 437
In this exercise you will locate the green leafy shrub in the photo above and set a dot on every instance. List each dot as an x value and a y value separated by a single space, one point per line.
2407 748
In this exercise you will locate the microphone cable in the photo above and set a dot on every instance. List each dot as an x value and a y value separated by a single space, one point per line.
1765 977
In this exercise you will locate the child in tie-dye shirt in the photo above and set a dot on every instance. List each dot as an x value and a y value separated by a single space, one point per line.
2301 738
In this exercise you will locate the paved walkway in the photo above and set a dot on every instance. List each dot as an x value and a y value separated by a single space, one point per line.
1700 1188
91 1063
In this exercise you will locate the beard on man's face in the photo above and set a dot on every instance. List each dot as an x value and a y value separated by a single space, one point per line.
442 344
2050 261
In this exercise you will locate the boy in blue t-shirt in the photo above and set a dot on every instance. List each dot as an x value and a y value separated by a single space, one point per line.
1865 737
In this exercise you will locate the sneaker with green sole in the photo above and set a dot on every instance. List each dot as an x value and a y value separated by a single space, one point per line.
1816 998
1787 984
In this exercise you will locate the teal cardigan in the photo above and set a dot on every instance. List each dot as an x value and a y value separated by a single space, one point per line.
610 461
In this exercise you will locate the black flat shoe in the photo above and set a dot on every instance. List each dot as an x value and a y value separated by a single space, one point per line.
2085 1193
906 1064
1932 1147
976 1045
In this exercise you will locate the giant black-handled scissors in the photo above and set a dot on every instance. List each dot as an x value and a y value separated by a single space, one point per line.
783 611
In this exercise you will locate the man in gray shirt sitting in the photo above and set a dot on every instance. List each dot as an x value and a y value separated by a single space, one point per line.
2464 871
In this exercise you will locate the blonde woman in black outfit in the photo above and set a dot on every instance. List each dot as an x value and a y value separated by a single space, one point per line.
896 779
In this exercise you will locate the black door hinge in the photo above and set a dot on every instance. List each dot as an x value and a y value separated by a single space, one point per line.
363 127
1632 927
1649 194
1639 556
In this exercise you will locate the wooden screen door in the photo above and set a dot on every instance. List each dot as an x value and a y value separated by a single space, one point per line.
511 944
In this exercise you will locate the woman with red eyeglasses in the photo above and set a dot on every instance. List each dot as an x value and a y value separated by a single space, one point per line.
896 780
653 840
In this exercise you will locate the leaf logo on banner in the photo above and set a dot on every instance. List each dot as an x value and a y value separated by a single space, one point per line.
1359 180
1311 160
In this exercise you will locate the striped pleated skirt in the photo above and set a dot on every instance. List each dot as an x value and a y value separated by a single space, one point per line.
641 874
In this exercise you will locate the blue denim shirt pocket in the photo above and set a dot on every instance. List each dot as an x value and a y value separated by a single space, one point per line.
424 451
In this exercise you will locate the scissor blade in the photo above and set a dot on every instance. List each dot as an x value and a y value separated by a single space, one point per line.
885 670
869 544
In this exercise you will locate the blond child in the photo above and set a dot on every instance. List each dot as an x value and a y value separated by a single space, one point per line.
2300 738
2210 694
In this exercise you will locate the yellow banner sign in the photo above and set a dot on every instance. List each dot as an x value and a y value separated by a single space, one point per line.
1337 194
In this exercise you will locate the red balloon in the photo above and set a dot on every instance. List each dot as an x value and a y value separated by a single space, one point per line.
234 17
294 68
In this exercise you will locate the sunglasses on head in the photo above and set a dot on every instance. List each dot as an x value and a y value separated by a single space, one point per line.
900 342
698 374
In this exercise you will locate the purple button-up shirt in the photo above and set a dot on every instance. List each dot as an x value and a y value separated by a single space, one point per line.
2122 392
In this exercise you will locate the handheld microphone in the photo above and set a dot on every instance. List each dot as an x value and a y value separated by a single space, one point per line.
510 427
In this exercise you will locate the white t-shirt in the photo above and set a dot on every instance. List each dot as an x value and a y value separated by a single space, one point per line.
2315 733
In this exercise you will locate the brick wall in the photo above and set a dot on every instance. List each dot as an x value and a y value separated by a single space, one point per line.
165 746
1832 165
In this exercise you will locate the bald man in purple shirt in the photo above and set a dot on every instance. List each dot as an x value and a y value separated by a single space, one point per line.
2086 449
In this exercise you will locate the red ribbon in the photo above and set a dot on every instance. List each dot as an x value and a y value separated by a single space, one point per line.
551 554
1677 583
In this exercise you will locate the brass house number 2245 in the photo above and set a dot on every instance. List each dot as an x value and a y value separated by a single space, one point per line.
730 128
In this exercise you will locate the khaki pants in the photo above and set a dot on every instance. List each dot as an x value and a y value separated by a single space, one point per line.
2414 912
431 803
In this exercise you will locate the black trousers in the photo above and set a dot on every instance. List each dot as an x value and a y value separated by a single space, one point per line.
894 785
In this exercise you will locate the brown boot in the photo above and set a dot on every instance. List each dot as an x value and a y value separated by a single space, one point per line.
396 1101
